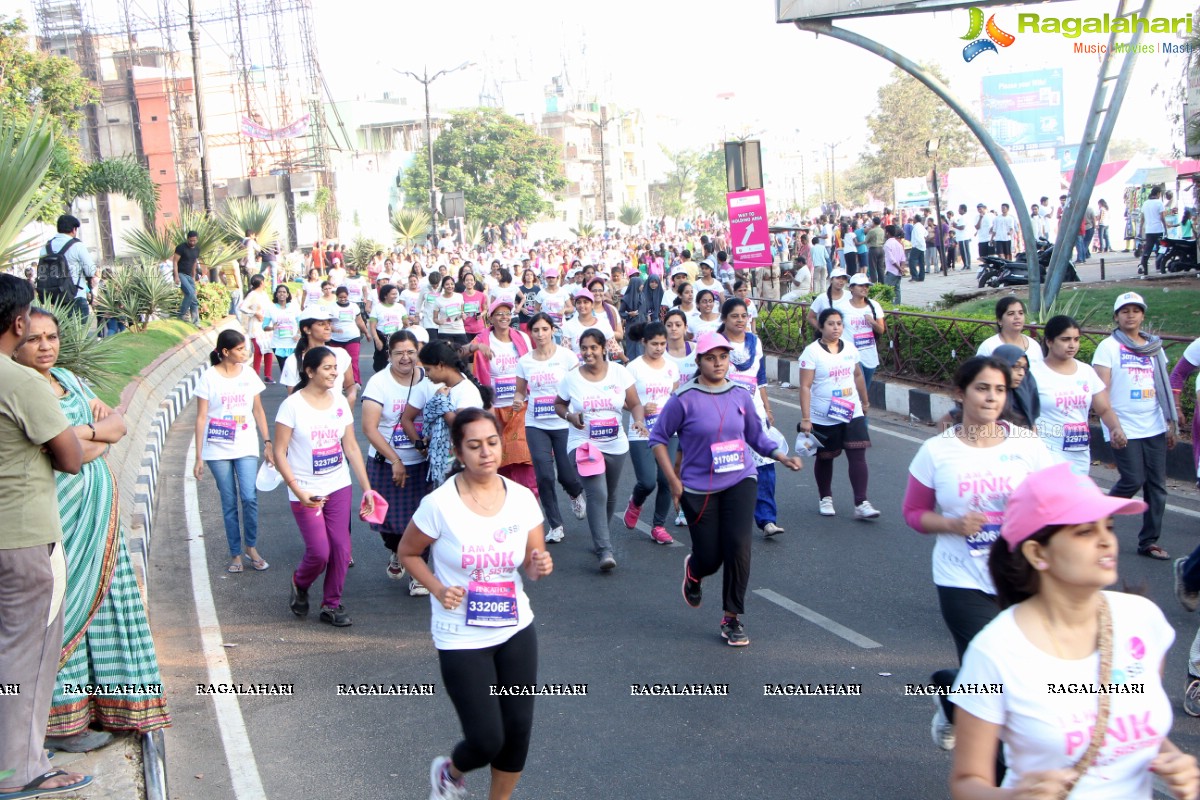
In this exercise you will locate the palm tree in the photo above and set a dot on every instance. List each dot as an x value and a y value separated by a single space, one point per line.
26 153
151 245
473 232
410 224
243 215
631 216
157 246
585 230
124 176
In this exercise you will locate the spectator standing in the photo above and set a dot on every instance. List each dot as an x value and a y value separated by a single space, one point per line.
916 254
964 233
876 236
1154 226
184 263
1002 232
893 260
79 260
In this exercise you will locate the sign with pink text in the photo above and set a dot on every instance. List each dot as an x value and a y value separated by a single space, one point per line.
749 238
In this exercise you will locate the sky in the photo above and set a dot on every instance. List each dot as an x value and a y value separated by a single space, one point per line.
702 70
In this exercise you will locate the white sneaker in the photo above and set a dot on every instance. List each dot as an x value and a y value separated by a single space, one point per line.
680 520
394 570
865 510
415 589
770 529
941 729
579 505
826 507
555 534
443 788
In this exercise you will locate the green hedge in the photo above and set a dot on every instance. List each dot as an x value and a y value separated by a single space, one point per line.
783 328
214 299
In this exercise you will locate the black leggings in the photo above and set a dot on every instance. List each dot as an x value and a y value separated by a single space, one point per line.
966 612
496 730
721 525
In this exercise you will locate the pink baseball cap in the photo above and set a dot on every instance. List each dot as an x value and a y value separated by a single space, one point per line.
711 341
585 294
589 460
550 272
498 303
1057 496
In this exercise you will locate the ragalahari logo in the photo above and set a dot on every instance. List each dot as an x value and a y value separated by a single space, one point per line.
994 37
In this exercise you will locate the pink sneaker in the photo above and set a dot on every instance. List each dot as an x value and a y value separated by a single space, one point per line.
632 513
660 536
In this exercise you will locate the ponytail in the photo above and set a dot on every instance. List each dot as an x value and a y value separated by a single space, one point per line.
312 360
226 340
441 353
485 392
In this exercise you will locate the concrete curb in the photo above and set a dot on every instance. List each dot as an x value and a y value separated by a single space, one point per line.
929 405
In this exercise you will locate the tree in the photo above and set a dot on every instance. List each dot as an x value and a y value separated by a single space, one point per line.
243 215
711 182
1123 149
409 224
631 216
680 182
907 116
26 155
502 165
123 176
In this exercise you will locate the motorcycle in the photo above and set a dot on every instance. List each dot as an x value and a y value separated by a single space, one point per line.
1178 255
1017 273
997 271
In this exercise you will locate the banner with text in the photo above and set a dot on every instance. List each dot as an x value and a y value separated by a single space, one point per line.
748 234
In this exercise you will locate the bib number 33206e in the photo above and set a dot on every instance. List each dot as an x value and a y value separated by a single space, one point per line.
492 604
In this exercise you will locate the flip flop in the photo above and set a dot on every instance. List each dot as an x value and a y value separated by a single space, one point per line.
259 564
235 568
31 789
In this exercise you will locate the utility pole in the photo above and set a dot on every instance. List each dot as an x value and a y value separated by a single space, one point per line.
194 37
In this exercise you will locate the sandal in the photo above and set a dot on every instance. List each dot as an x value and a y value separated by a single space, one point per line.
235 568
33 788
1155 552
259 564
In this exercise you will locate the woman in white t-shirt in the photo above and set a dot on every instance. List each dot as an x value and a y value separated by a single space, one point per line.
591 400
836 295
1068 676
310 291
480 529
833 405
958 489
395 466
448 388
1133 366
228 411
1068 391
315 451
585 319
256 309
387 317
316 330
281 323
412 298
864 324
448 314
539 373
706 319
708 280
1010 319
655 378
679 350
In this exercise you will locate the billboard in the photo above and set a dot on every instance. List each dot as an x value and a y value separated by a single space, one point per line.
751 240
912 192
1024 110
794 10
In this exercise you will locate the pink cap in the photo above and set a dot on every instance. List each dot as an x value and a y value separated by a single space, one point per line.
550 272
632 271
585 295
498 303
379 514
711 341
589 460
1057 496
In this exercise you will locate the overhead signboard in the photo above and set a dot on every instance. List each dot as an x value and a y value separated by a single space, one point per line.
795 10
748 229
912 192
1024 110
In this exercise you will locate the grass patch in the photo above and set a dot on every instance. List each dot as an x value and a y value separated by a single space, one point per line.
1174 304
133 352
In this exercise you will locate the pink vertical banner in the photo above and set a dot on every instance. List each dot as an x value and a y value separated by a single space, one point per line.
749 238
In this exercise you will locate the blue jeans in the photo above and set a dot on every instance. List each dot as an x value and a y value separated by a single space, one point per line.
649 476
916 264
893 280
189 306
764 502
224 473
868 373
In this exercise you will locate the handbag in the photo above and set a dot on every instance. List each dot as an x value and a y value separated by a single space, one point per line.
1100 727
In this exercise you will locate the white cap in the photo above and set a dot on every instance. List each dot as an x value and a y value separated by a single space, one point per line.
838 272
1128 299
860 279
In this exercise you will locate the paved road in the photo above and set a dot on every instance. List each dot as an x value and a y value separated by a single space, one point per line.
608 631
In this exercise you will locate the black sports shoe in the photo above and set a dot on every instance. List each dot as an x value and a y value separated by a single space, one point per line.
299 603
734 632
691 587
337 617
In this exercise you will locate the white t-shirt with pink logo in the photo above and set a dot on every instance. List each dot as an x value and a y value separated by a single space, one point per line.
966 478
834 393
857 331
541 386
483 555
504 370
393 398
315 450
601 403
1046 721
230 431
653 386
1131 389
1066 401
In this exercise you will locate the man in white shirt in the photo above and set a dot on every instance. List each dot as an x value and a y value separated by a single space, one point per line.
964 232
79 261
916 256
1002 232
801 282
983 229
1154 226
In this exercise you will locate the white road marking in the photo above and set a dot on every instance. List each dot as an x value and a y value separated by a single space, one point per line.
1187 512
837 629
243 769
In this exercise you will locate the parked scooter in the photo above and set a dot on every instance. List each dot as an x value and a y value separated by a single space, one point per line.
994 267
1017 273
1178 255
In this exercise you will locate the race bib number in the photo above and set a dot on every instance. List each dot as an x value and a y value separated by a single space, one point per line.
222 431
729 456
400 440
454 311
650 420
980 544
543 407
747 379
326 459
864 340
1076 436
603 429
840 409
1133 361
492 605
470 309
285 330
505 388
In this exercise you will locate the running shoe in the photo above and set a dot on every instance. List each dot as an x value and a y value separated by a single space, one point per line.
394 570
299 601
415 589
826 507
1188 599
660 536
632 513
692 593
443 786
680 520
337 617
555 534
941 729
607 562
1191 697
350 563
734 632
770 529
863 510
579 505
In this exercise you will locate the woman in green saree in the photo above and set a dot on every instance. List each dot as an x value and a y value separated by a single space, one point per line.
106 638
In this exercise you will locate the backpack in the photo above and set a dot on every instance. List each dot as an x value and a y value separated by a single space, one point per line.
54 281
